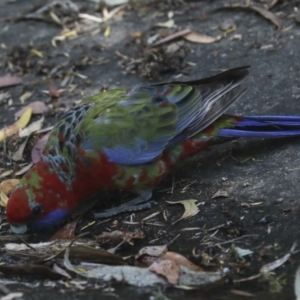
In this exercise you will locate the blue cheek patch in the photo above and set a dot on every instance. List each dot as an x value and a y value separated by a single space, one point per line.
52 219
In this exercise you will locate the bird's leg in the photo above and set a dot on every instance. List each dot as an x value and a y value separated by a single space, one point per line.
138 203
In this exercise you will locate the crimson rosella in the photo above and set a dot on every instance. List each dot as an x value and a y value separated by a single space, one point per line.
128 139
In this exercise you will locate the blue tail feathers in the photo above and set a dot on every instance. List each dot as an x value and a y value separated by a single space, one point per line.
264 126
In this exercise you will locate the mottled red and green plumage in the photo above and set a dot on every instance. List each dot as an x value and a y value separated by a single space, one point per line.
128 139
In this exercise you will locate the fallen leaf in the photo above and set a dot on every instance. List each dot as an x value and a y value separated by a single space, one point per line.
200 38
180 260
242 252
11 296
107 31
260 10
38 107
18 154
8 185
38 148
6 81
191 209
152 251
115 2
220 194
278 262
6 173
139 276
3 199
168 24
53 92
60 271
25 96
67 232
168 269
33 127
24 169
172 36
36 53
18 125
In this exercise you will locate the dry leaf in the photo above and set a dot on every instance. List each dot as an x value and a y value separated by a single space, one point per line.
53 92
168 269
6 173
24 169
107 31
180 260
25 96
262 11
278 262
35 126
139 276
267 14
20 124
220 194
18 154
38 107
67 232
3 199
12 296
38 148
200 38
191 209
6 81
7 186
152 251
168 24
172 36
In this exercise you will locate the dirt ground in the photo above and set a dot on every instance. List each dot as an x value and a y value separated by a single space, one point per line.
260 176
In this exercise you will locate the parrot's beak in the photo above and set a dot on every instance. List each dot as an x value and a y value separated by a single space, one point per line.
18 229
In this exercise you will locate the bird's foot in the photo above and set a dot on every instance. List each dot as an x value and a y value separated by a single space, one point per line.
139 203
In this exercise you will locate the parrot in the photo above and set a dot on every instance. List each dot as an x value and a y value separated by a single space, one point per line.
128 140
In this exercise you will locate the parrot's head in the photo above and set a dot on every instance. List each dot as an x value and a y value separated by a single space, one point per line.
37 202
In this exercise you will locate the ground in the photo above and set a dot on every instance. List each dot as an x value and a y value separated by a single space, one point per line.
260 176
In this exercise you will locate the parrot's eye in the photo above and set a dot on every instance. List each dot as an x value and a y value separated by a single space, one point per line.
36 209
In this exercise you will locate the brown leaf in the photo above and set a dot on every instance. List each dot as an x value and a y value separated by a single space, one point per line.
267 14
200 38
7 80
38 107
167 268
172 37
7 186
67 232
38 148
181 260
53 91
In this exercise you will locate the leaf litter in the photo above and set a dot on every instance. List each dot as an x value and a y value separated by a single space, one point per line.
169 264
